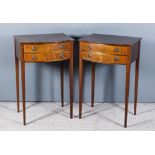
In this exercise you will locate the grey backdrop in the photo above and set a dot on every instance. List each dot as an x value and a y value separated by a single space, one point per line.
43 80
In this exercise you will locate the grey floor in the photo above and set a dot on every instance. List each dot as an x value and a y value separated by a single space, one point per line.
51 116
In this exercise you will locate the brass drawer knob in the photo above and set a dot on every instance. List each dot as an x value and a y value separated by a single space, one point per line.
61 55
116 49
34 48
89 55
116 59
89 48
34 57
61 46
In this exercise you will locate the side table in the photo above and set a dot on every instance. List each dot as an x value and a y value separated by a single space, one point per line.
43 48
109 49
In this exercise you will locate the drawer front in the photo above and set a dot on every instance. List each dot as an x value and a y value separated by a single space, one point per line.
107 49
47 57
45 48
104 58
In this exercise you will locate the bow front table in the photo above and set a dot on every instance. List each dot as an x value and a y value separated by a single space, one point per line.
43 48
109 49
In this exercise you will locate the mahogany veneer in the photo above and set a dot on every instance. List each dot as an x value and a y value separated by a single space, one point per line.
109 49
43 48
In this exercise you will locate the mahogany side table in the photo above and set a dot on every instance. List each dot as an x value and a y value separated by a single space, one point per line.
109 49
43 48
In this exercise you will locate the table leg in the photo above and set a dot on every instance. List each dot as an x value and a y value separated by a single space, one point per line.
23 90
17 82
127 85
136 85
136 81
92 84
71 83
80 85
62 83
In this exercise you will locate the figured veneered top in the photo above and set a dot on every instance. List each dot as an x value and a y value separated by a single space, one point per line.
42 38
110 39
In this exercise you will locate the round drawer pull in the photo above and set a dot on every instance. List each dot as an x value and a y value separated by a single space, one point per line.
34 48
116 49
61 46
89 48
116 59
34 57
62 55
89 55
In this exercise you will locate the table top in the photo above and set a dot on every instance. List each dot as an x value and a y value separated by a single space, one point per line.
42 38
110 39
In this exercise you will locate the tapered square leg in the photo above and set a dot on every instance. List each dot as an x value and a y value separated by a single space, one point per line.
136 85
71 81
127 85
80 85
92 84
136 81
23 90
17 83
62 83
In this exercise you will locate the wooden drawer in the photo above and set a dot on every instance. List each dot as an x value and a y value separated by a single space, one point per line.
104 58
47 57
107 49
45 48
